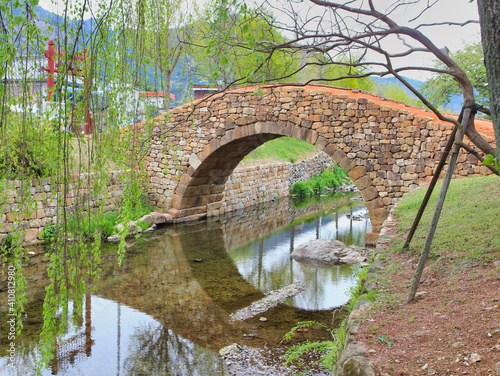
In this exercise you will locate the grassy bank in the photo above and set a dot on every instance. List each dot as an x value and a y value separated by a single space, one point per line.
286 149
469 225
452 326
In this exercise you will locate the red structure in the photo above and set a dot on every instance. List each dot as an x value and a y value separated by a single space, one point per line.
74 69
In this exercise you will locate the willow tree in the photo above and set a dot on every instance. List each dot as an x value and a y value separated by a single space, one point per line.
46 142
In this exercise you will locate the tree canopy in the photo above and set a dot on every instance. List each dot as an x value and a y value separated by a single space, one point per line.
441 87
224 51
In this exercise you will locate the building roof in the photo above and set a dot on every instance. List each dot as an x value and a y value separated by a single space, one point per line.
27 68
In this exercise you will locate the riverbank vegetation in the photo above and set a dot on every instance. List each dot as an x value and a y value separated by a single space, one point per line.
102 226
326 182
459 289
330 350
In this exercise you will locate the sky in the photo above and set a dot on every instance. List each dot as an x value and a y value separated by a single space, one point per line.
443 10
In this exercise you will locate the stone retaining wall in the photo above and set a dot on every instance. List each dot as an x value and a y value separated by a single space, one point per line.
353 359
40 200
251 185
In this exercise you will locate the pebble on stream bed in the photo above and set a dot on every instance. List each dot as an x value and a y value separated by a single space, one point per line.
250 361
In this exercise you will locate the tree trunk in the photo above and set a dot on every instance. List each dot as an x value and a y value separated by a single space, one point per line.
489 15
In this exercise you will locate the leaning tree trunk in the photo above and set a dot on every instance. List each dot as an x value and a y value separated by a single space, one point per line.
489 14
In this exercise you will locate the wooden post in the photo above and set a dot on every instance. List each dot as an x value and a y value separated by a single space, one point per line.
439 207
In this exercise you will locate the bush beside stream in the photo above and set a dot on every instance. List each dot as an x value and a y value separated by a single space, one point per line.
328 181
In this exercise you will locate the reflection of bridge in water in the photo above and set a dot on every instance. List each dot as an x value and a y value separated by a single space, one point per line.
78 346
200 296
194 299
164 278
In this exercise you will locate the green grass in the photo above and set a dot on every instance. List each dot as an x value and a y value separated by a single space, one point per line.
330 178
470 220
286 149
103 225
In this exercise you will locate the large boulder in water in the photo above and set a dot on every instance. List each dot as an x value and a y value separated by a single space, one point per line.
320 252
324 253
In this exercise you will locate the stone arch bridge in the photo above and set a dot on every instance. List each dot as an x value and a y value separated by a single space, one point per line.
387 148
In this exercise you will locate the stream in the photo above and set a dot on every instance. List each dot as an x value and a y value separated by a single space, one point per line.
165 310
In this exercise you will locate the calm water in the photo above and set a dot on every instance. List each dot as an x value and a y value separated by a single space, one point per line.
166 310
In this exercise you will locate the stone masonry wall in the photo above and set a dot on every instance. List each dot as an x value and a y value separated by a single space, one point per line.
251 185
308 168
44 194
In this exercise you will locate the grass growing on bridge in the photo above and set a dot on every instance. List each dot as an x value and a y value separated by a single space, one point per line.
285 149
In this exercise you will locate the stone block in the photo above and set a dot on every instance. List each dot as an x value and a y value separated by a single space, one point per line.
174 213
194 161
371 239
181 189
369 193
363 182
357 172
312 137
176 201
321 143
31 235
377 218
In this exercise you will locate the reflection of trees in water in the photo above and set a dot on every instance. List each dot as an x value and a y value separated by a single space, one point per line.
275 273
26 355
156 351
151 268
267 265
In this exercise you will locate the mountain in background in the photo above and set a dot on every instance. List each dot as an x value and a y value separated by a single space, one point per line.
454 106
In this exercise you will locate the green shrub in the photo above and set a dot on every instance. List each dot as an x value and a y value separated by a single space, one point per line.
330 178
331 349
143 225
318 186
49 232
327 350
103 225
301 189
106 224
7 242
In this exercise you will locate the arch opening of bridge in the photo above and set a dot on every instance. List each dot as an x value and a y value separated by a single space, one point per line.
201 189
386 148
